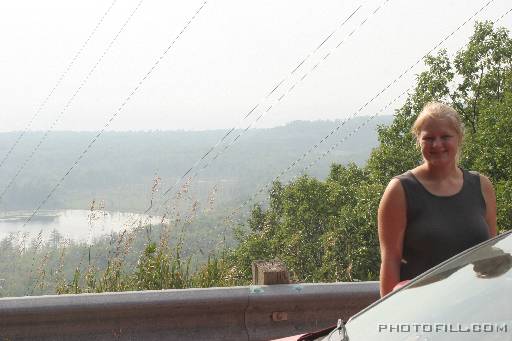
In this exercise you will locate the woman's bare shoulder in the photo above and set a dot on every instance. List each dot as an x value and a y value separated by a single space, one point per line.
487 190
485 182
394 186
490 203
394 195
391 216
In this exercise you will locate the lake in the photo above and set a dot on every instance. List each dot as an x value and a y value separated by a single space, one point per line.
79 225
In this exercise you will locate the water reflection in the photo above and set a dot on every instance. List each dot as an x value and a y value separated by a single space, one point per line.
486 263
79 225
498 263
18 217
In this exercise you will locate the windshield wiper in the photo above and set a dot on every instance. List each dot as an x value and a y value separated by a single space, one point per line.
342 332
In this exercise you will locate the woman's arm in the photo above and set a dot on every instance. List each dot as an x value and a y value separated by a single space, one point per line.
490 204
392 219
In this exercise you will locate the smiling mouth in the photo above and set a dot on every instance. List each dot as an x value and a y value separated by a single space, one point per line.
438 154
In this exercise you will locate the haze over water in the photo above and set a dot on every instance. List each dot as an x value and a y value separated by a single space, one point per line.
78 225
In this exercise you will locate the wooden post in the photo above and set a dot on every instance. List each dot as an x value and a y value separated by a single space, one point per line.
269 272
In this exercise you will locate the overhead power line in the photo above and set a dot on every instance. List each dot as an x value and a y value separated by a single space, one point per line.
116 112
57 84
69 102
356 113
253 110
269 107
225 136
314 147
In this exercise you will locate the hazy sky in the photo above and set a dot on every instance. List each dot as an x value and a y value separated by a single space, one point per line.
225 63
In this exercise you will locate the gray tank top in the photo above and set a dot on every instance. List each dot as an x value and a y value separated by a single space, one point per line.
439 227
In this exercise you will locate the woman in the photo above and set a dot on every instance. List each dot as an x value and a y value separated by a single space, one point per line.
436 210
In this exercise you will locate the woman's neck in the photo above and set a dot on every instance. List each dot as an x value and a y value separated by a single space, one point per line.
440 172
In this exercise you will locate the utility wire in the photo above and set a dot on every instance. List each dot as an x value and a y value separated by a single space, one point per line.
274 103
116 113
221 140
69 102
57 84
323 139
253 110
323 155
43 138
293 86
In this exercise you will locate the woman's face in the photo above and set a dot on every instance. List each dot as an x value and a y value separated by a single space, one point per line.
439 142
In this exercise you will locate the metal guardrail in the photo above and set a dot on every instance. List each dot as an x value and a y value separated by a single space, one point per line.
236 313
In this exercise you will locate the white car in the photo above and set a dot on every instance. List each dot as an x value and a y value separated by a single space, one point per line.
468 297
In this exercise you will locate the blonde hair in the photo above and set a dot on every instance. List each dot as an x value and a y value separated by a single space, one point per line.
438 111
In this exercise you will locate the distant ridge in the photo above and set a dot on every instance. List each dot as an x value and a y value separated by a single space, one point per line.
120 169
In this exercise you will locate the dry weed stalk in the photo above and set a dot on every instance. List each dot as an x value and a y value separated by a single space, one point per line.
131 231
41 281
22 244
212 195
95 214
59 272
36 245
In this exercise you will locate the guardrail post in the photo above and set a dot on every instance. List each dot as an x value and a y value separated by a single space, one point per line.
269 272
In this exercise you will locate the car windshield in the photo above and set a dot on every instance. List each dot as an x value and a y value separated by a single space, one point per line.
468 297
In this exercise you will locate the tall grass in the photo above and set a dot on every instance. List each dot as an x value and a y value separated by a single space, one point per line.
142 256
161 264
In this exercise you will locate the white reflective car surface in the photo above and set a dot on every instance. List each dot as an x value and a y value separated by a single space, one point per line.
468 297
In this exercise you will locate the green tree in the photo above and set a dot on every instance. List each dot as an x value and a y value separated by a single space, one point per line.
327 230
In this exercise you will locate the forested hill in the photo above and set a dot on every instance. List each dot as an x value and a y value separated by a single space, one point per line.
120 168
